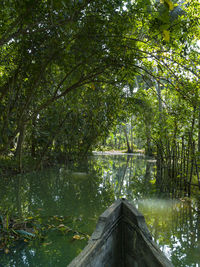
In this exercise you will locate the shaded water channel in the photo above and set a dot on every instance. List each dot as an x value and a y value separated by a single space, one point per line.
75 195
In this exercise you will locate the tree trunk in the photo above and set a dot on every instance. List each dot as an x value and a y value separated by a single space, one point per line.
131 134
127 142
19 149
199 130
33 138
148 149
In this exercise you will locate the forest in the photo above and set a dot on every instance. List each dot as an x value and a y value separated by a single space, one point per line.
73 71
78 76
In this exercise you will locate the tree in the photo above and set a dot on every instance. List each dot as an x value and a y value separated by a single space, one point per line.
52 49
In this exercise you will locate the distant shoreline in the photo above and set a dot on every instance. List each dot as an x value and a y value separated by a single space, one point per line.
118 152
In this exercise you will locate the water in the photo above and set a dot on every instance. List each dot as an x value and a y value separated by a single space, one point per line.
80 193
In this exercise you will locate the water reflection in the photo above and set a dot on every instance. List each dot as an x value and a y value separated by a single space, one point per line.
82 192
129 176
175 226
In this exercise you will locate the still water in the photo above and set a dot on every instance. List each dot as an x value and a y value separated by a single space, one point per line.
75 195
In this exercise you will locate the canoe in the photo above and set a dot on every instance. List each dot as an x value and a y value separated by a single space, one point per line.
121 239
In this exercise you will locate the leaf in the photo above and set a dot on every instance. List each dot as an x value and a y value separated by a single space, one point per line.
61 225
6 250
170 4
46 244
25 233
29 218
93 86
76 237
166 35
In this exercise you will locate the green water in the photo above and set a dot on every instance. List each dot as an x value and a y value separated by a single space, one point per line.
81 192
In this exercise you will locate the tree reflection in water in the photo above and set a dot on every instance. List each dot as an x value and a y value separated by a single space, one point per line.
82 192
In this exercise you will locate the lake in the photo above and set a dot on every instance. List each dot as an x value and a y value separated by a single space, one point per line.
73 196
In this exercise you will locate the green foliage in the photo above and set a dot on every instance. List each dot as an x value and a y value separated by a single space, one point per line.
13 230
68 73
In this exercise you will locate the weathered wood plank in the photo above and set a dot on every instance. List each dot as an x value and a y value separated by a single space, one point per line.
104 243
121 239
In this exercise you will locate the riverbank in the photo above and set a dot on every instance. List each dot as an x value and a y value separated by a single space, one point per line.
119 152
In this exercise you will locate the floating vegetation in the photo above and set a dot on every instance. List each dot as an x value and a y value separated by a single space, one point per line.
27 229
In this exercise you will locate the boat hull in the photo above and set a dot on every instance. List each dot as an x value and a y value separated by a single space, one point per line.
121 239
